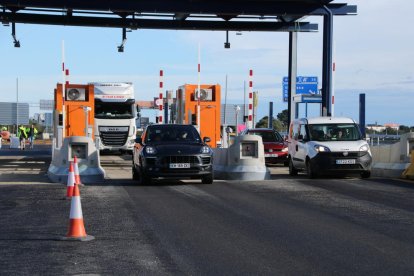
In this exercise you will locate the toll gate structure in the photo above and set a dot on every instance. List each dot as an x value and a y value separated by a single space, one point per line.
217 15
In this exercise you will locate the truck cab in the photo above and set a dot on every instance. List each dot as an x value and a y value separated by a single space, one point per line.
115 116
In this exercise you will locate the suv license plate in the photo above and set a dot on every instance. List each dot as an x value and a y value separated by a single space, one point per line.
271 155
345 161
179 165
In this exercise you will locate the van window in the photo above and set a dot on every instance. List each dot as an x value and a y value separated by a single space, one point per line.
334 132
295 131
302 132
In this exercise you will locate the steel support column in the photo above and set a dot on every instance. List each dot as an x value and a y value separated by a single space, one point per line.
293 45
327 62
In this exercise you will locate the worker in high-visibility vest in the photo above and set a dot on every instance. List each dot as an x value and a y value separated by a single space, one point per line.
22 137
31 132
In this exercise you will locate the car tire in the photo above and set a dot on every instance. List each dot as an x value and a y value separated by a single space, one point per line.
292 170
310 171
366 174
208 179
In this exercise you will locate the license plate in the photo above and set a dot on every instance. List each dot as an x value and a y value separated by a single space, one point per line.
179 165
271 155
345 161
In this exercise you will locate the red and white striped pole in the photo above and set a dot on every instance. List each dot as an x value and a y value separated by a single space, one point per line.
160 100
199 91
63 91
250 112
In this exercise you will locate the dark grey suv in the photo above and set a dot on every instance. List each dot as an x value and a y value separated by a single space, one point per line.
172 151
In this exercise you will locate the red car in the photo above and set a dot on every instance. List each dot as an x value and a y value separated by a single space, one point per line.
275 147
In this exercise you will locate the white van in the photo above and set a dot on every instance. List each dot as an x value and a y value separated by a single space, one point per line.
324 145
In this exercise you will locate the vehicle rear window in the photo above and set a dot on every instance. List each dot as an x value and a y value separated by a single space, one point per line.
268 136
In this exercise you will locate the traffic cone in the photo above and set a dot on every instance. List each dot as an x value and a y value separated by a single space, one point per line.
71 181
76 230
77 176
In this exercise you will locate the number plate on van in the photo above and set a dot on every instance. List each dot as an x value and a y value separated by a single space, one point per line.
345 161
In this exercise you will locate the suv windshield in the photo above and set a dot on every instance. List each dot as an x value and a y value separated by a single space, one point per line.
334 132
172 133
268 136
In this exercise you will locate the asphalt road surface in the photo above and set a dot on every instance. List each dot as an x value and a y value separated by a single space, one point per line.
283 226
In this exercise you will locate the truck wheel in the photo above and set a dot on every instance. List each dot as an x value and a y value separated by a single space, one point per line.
292 170
207 179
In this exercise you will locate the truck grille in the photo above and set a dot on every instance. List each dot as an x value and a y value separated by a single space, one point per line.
109 138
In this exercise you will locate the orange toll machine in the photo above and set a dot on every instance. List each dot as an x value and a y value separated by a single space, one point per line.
210 105
79 109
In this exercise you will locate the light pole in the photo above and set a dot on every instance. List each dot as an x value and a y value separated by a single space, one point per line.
237 109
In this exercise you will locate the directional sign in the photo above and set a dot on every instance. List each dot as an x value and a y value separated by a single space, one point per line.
304 85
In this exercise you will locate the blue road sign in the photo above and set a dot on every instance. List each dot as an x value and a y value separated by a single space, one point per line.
304 85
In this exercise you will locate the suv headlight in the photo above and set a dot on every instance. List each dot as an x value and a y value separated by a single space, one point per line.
285 149
205 149
320 148
364 148
150 150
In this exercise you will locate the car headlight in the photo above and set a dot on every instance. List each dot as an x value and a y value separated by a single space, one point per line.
364 148
150 150
205 149
285 149
320 148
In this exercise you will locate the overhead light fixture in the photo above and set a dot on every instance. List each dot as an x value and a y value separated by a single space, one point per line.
121 47
227 43
15 41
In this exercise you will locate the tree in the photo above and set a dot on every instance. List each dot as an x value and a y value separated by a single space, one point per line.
263 123
283 117
404 129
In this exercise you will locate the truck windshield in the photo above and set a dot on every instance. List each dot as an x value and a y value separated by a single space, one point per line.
114 110
334 132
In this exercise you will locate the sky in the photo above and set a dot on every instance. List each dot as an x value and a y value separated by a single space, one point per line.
374 52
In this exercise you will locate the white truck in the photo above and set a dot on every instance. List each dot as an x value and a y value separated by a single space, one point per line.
115 116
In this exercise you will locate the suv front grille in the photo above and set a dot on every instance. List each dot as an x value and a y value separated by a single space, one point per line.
180 159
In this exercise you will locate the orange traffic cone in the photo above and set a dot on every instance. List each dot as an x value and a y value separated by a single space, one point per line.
76 230
71 181
77 176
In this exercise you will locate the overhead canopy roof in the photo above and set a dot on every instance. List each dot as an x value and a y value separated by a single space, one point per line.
226 15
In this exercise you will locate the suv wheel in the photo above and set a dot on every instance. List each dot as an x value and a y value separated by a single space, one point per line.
292 170
135 174
208 179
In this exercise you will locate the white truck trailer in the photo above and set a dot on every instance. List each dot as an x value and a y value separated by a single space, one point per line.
115 116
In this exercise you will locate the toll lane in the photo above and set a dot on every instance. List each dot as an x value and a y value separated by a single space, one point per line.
286 225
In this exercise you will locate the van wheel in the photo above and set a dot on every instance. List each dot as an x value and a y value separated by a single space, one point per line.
292 170
310 171
366 174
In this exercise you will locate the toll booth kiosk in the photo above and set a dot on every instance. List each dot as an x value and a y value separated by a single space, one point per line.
209 98
73 129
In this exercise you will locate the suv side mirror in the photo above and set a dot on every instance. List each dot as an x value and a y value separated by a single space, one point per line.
206 139
138 140
300 137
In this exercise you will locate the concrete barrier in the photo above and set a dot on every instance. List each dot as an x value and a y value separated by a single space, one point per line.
243 160
392 160
89 164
